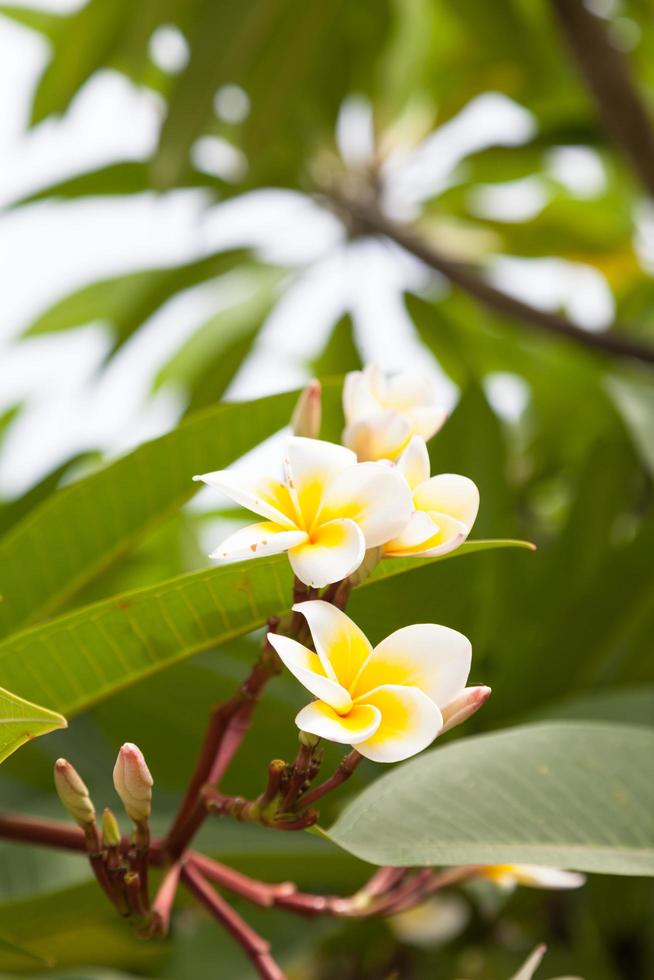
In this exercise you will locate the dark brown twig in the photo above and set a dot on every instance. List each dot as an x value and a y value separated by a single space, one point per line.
369 220
608 76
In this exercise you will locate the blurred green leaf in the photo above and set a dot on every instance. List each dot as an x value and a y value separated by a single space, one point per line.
563 794
21 720
209 360
13 511
85 41
629 705
127 177
126 302
340 353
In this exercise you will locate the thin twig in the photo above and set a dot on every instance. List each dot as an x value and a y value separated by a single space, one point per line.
608 76
345 769
255 948
163 901
368 219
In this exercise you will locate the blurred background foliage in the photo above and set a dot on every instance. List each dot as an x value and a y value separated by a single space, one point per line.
347 98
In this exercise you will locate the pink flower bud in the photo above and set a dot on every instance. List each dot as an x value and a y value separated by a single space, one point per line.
73 793
133 782
470 700
306 417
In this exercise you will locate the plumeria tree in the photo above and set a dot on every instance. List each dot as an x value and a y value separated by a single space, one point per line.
290 749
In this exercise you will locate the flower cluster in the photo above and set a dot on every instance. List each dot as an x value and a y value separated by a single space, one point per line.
330 504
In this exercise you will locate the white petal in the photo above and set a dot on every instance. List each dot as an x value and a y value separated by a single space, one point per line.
357 726
374 495
406 390
450 494
358 399
264 496
413 464
334 551
541 877
342 647
306 666
410 721
447 534
427 420
380 436
421 528
435 659
311 465
257 540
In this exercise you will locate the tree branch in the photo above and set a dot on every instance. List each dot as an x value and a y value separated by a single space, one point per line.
255 948
607 74
368 219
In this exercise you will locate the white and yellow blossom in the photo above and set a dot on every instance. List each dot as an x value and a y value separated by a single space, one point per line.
387 702
326 511
508 876
445 507
383 412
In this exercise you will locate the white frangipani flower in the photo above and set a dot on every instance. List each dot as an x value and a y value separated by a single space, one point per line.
386 702
445 507
325 512
382 412
508 876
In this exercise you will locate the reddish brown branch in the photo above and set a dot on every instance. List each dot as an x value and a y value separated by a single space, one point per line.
256 949
370 220
345 769
46 833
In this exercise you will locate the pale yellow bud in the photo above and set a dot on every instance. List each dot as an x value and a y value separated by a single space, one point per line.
468 702
133 782
306 417
110 830
73 793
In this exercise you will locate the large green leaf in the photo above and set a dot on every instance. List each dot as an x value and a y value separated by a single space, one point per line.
79 530
21 720
79 659
571 795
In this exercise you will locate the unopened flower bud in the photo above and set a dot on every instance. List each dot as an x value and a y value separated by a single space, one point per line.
73 793
309 740
111 835
470 700
133 782
305 420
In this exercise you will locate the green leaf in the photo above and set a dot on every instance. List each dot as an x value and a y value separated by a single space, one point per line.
125 177
92 32
16 510
628 705
11 948
340 353
82 528
569 795
45 22
125 302
21 720
81 658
